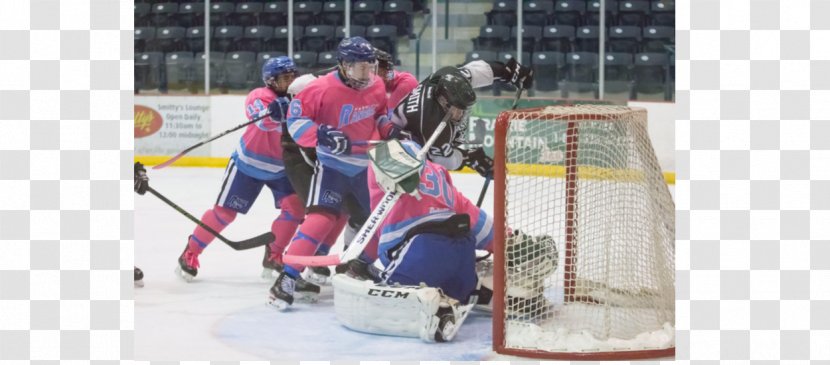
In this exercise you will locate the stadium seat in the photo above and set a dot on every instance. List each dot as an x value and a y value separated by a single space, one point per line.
481 55
179 68
275 14
333 13
306 12
492 38
503 13
141 37
662 13
239 72
399 13
537 12
195 39
592 13
587 39
279 42
354 31
649 74
326 59
366 12
624 38
306 61
169 39
255 37
148 70
547 70
163 14
217 69
656 38
558 38
580 74
191 15
226 38
531 35
141 13
384 37
220 13
633 12
569 12
318 38
618 74
246 14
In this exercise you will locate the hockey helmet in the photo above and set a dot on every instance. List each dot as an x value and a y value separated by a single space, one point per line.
386 65
356 58
455 95
279 72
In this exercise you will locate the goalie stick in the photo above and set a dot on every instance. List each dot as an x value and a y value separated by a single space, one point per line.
257 241
362 238
262 115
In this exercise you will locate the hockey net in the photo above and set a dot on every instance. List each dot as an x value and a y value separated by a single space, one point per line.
586 256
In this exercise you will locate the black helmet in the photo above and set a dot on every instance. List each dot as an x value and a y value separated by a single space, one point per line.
452 90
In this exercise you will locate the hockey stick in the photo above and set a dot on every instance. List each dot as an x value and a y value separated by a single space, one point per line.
262 115
257 241
362 238
489 178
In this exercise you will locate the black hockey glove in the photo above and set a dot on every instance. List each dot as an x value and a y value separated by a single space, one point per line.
396 132
477 160
520 76
334 139
140 179
278 109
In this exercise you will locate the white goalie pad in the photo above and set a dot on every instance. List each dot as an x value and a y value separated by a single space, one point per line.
406 311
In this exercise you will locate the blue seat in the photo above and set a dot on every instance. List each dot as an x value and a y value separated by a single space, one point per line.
592 13
163 14
220 13
141 37
306 61
398 13
307 12
191 14
274 14
239 70
148 70
246 14
619 77
366 12
580 73
547 70
179 69
255 37
633 12
481 55
141 15
333 13
569 12
326 59
318 38
650 73
279 42
537 12
354 31
169 39
624 38
217 69
587 39
656 38
531 37
492 38
662 13
503 13
384 37
195 39
226 38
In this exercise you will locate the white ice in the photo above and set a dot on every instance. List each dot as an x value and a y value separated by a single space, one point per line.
222 315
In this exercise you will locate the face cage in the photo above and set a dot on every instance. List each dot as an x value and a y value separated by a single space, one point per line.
458 116
359 75
282 81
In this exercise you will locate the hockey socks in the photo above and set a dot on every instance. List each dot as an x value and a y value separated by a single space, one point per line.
311 233
216 218
284 227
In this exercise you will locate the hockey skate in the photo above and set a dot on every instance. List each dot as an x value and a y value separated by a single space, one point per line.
188 264
357 269
318 275
283 292
138 277
271 264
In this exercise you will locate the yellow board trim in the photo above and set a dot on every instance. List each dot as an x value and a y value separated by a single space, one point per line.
519 169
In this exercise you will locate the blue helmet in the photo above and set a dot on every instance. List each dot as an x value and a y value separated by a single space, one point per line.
277 66
355 49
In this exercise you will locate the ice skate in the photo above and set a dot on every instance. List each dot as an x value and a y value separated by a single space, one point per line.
138 277
357 269
188 264
285 289
317 275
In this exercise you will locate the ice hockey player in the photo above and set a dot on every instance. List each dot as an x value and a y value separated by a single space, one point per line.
450 91
427 246
336 114
140 184
398 83
256 162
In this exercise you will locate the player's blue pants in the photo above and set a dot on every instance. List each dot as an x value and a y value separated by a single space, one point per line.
439 261
239 191
330 187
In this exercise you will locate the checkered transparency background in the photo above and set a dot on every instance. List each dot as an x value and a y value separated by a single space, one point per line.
753 188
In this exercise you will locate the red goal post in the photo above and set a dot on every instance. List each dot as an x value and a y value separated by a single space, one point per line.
608 285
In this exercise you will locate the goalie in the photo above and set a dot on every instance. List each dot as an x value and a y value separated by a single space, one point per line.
427 246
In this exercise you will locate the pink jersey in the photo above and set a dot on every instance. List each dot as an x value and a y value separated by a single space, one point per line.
439 201
360 114
259 153
402 84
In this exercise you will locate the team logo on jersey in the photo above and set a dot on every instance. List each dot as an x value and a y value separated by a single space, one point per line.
146 121
349 115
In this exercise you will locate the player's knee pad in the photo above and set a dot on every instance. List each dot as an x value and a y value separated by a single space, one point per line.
225 215
408 311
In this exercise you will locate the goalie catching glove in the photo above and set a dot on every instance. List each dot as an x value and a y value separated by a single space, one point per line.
477 160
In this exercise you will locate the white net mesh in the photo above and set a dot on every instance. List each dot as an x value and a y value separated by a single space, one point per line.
591 268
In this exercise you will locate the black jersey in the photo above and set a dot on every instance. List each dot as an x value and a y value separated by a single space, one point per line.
420 115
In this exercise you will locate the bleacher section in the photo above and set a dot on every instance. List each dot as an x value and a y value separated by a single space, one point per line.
559 40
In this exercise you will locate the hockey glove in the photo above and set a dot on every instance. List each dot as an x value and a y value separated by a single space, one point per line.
140 179
399 133
278 108
477 160
334 139
520 76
